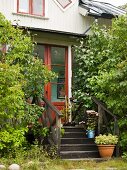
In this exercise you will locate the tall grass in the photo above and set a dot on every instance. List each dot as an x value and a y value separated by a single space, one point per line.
38 159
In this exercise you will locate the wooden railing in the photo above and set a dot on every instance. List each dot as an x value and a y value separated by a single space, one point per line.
53 124
106 118
107 121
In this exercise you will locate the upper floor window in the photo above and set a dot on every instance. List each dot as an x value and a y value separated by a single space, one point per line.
64 3
33 7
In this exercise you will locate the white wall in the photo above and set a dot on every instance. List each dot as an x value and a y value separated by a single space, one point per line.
56 19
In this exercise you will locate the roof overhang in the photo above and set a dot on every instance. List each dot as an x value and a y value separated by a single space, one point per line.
99 9
53 31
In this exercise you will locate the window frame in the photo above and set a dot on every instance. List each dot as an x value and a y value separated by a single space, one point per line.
30 12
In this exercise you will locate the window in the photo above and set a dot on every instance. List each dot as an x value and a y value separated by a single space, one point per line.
64 3
33 7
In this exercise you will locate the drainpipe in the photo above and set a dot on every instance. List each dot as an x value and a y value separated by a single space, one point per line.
95 21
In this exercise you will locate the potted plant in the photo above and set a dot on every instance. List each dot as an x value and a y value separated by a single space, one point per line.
91 123
106 144
90 131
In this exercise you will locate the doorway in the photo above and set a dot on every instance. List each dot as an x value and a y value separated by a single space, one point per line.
56 59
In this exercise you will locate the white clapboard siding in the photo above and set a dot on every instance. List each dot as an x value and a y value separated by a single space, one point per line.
69 20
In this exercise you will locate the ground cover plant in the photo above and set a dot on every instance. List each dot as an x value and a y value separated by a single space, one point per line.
101 63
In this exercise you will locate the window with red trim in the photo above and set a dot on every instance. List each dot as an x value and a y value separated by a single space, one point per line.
33 7
64 3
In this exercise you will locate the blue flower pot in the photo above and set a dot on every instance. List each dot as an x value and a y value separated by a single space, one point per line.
90 133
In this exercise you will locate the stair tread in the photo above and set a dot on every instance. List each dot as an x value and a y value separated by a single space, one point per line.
75 127
75 145
79 138
66 152
87 159
79 144
76 132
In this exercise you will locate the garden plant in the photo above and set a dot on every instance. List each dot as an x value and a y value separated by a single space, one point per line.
101 70
22 75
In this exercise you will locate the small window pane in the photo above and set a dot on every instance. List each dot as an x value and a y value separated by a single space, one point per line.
57 92
64 3
60 71
39 51
24 6
38 7
58 55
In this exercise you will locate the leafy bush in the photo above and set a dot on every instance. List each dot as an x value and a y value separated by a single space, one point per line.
101 64
21 76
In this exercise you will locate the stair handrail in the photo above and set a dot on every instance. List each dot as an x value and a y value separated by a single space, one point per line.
54 125
101 109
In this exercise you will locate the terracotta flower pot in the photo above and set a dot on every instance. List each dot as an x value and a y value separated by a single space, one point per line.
106 151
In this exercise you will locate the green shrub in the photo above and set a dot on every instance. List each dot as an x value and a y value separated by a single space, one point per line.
101 63
21 76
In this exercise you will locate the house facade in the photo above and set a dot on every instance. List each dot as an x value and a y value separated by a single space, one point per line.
55 25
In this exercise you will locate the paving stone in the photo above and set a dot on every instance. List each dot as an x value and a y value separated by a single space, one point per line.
14 167
2 167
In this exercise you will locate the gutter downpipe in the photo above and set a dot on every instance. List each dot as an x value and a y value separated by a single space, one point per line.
95 21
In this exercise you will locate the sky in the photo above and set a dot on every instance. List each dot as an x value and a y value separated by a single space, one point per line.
115 2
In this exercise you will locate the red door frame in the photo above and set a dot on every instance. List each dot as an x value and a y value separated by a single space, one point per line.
47 61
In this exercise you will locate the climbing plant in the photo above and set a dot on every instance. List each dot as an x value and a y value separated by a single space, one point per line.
101 60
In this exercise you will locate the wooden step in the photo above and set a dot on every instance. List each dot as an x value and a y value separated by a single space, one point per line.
78 147
75 144
77 141
78 154
74 135
73 129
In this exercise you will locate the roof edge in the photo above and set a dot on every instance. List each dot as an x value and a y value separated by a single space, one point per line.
53 31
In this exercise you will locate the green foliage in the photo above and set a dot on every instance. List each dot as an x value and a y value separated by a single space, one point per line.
21 76
34 158
106 139
102 69
89 54
34 113
62 131
52 152
124 155
36 76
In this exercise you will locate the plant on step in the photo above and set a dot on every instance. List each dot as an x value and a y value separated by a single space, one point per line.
106 139
106 144
92 120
